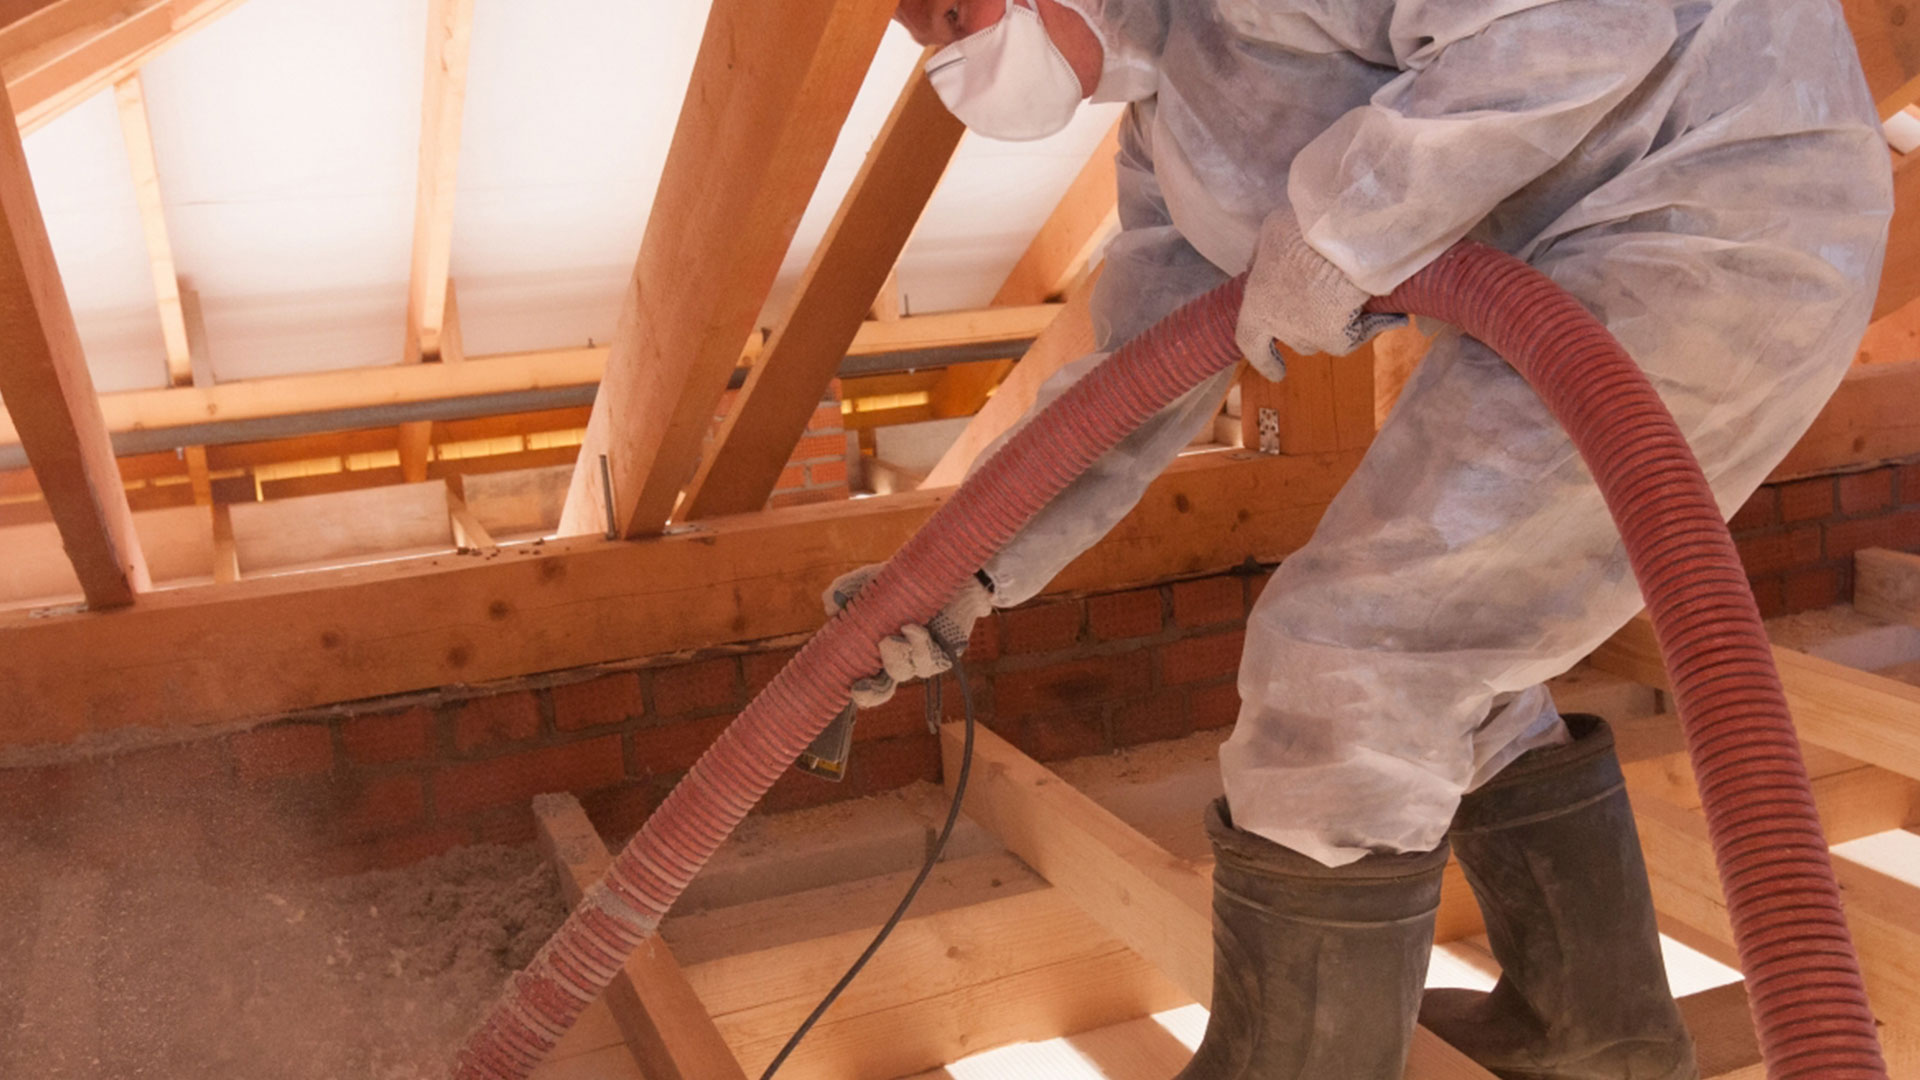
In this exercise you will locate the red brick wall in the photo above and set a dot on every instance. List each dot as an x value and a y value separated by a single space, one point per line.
1798 538
817 469
388 782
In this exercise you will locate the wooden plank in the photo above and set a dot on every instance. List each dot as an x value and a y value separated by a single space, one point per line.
1869 419
1883 913
504 373
770 89
1854 799
1066 339
1724 1044
1054 262
449 41
1888 40
1886 585
331 529
1900 275
1159 905
112 43
669 1031
226 556
1325 403
266 646
854 260
49 394
135 130
886 302
468 533
1862 715
988 955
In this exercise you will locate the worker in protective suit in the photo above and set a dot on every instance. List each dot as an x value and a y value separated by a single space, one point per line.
1709 178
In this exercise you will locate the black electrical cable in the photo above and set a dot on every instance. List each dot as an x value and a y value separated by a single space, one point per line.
926 870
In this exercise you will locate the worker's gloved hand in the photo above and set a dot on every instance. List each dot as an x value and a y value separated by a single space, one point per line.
1299 299
916 652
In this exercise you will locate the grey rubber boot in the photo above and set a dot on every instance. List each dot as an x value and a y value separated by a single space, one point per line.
1316 972
1550 849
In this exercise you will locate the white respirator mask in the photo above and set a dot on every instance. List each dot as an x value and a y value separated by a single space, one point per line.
1007 81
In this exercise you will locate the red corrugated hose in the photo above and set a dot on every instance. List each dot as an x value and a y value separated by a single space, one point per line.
1802 977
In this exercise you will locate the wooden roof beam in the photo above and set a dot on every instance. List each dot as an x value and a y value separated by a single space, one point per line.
430 285
394 384
49 393
131 97
449 42
848 271
770 90
249 650
1066 339
1054 264
1900 276
69 50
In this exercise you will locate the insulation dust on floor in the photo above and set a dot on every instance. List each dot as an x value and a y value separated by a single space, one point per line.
164 960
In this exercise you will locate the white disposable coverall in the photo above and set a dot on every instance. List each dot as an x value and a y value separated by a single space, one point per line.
1706 175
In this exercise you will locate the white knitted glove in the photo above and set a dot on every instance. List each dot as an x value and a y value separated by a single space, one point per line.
916 652
1297 298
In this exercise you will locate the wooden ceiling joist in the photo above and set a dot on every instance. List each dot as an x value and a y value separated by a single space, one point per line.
849 269
669 1031
1054 263
70 50
1158 904
49 394
770 89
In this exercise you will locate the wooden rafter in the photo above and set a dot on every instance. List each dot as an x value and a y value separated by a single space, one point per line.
1900 276
395 384
848 270
449 41
670 1033
1066 339
69 50
49 393
1055 262
770 90
135 129
249 650
430 286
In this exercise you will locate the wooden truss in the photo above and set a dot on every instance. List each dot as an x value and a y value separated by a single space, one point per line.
765 130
